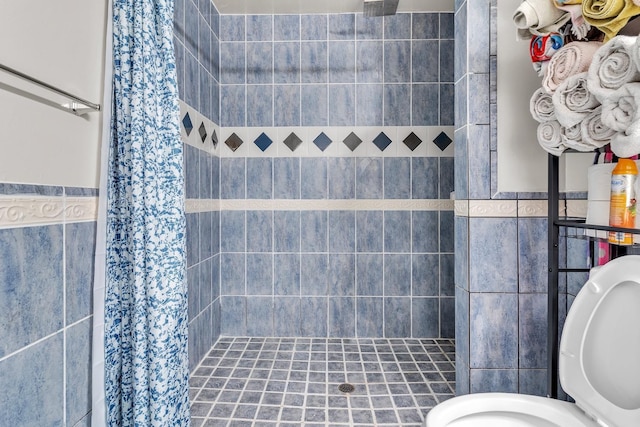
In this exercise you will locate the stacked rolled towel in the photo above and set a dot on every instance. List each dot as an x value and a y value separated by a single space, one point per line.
621 110
594 132
609 15
635 51
538 17
572 101
622 114
572 58
572 138
541 106
613 66
550 137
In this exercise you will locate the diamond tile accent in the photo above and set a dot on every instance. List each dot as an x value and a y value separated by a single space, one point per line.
322 141
442 141
202 130
234 142
214 139
292 141
352 141
412 141
263 141
186 122
382 141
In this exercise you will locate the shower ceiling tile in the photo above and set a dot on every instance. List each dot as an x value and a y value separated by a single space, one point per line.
412 141
263 141
202 130
352 141
382 141
292 141
322 141
186 122
442 141
234 142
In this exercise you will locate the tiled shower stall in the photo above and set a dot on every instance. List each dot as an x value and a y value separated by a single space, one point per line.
319 168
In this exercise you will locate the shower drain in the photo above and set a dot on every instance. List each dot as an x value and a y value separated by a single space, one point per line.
346 388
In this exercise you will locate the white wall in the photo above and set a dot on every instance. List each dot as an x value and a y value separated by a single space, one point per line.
62 43
522 163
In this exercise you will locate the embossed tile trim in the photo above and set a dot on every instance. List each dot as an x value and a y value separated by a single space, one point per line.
493 208
576 208
517 208
201 205
32 211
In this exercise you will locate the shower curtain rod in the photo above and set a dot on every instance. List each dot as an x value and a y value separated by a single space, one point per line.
78 107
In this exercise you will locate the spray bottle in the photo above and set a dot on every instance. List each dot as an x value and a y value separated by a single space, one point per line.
622 212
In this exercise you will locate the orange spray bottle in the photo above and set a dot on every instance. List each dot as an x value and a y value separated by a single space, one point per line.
622 211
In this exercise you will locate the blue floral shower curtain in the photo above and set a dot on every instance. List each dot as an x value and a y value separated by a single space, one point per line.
146 359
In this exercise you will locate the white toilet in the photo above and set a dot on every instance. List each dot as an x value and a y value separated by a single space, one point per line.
599 365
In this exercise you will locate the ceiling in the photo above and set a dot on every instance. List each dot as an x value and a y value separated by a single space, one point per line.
322 6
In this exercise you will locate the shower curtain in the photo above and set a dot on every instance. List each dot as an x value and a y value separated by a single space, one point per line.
145 296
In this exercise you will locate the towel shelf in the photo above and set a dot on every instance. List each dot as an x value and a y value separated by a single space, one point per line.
77 106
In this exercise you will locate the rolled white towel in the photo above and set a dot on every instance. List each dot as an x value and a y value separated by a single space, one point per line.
550 137
621 108
625 116
635 51
572 58
538 17
572 138
613 66
624 144
594 132
572 100
541 106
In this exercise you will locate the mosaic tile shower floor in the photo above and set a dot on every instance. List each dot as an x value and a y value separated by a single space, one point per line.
294 382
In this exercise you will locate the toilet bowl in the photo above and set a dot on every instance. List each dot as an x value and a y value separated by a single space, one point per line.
599 365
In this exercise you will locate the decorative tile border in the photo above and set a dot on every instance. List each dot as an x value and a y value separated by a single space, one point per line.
517 208
357 141
576 208
33 211
202 205
196 205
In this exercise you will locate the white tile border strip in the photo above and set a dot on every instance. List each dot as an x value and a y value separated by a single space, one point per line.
517 208
32 211
195 205
493 208
202 205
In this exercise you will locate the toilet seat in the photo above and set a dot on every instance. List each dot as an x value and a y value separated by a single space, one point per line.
507 410
599 365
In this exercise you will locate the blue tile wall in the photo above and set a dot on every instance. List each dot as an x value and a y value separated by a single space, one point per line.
493 255
493 333
46 285
494 380
31 267
197 48
532 331
78 372
286 52
363 261
206 232
80 246
36 372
